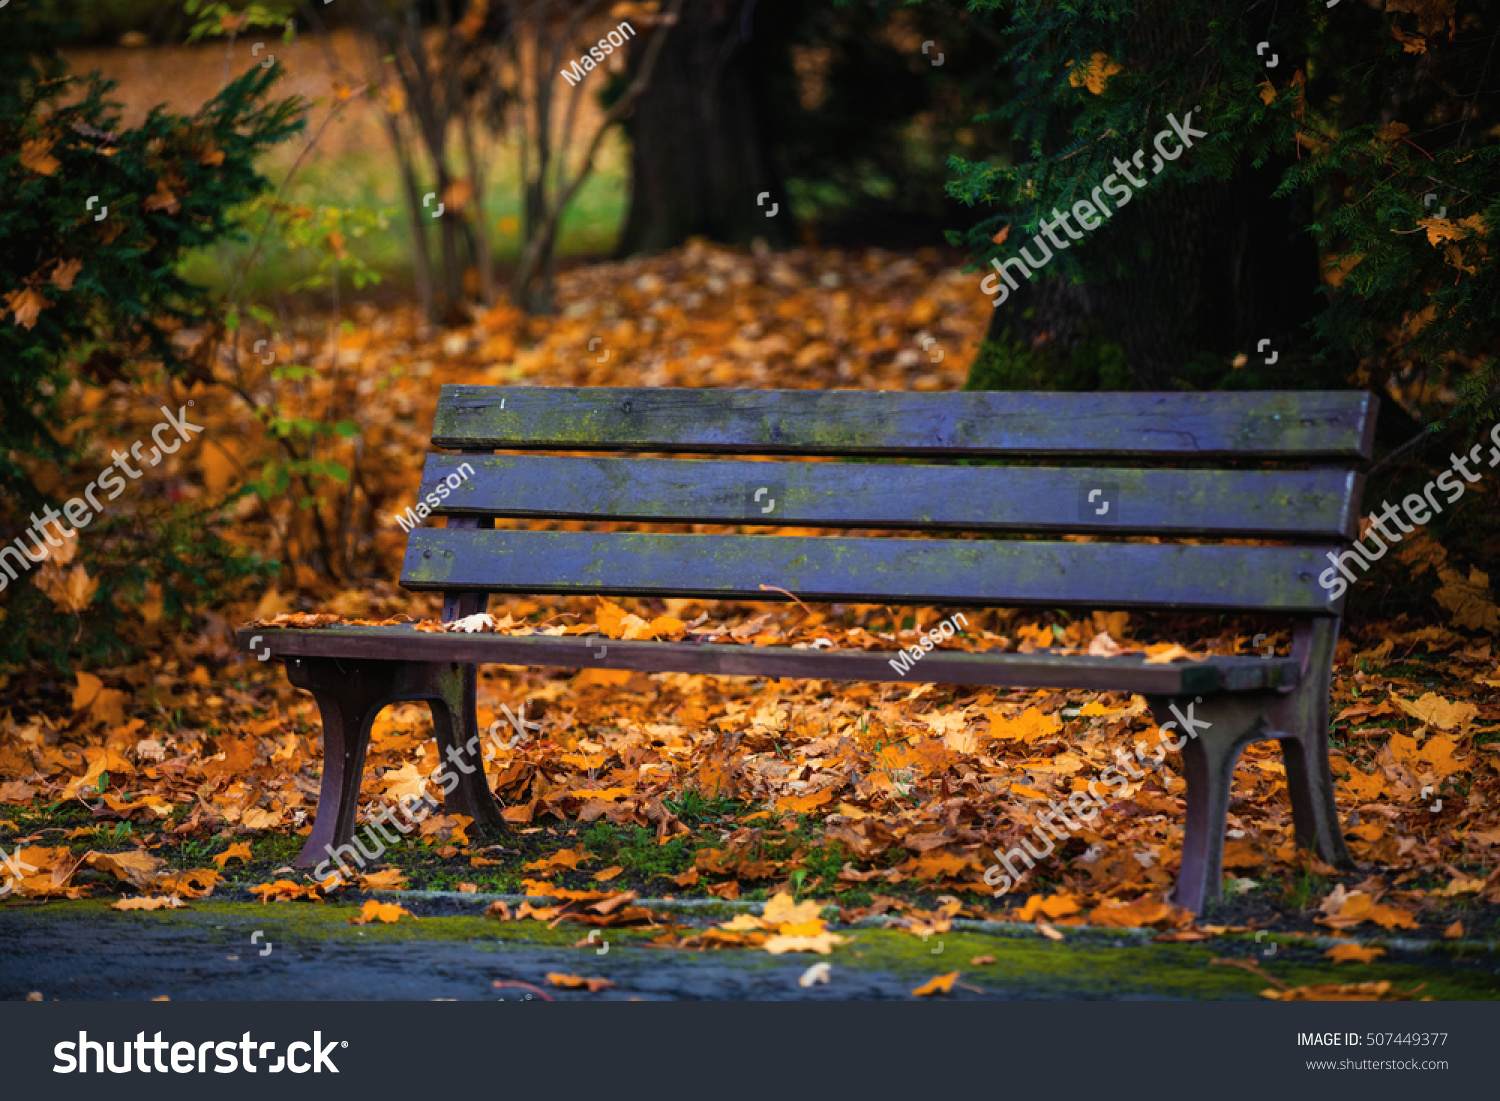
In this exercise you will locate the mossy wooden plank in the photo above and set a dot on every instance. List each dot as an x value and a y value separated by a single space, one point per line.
1271 424
910 571
938 667
1319 504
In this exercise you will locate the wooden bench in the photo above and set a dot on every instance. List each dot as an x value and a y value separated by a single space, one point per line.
1245 537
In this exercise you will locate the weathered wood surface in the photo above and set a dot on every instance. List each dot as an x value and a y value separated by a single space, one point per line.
938 667
1269 424
872 570
1318 504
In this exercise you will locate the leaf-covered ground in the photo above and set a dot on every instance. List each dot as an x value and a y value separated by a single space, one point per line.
194 774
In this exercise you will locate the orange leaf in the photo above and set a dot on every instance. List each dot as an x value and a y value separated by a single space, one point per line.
387 912
1145 911
801 804
37 156
1094 73
575 982
387 879
63 275
151 902
284 890
26 305
563 859
1353 953
939 984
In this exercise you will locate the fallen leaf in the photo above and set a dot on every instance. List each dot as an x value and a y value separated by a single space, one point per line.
817 973
575 982
939 984
138 868
240 851
150 902
1353 953
387 912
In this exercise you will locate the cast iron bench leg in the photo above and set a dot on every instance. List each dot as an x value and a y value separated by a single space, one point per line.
455 719
350 695
1301 726
1208 765
1298 720
348 698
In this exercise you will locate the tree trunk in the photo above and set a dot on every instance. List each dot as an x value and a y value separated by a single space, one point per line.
1209 270
701 156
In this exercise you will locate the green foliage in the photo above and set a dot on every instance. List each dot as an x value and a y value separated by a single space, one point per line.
1009 364
97 221
213 19
1366 113
97 296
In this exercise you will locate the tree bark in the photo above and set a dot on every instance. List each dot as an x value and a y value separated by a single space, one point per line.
1209 269
701 157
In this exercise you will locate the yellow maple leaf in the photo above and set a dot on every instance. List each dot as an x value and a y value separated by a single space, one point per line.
821 943
610 617
1433 710
163 199
783 909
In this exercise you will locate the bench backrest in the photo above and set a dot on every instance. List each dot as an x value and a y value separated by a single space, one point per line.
1219 487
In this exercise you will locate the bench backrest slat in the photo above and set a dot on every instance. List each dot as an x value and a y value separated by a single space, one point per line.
1259 424
1309 504
872 570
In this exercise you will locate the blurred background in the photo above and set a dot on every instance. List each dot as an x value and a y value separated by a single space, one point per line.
319 212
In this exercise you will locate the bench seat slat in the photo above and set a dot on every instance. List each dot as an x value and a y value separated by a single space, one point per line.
1219 674
871 570
1318 504
1270 424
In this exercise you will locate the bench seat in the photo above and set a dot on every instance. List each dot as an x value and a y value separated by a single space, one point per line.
999 670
